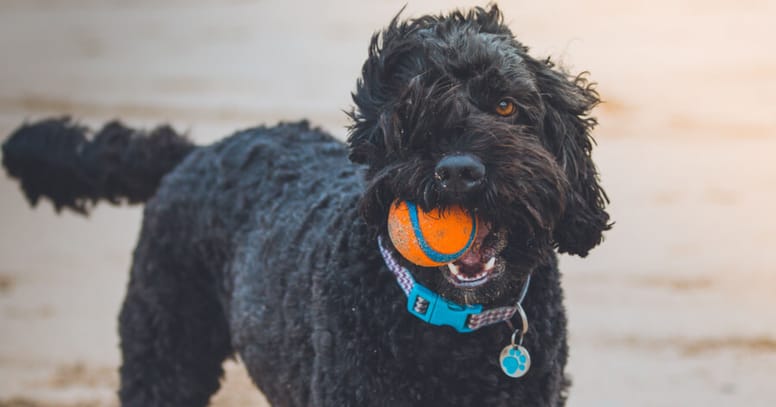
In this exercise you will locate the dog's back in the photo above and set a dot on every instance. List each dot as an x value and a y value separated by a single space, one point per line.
264 196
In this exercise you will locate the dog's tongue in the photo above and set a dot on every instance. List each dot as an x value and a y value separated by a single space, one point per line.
474 255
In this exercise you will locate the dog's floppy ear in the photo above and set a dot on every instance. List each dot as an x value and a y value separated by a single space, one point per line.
566 129
364 132
388 56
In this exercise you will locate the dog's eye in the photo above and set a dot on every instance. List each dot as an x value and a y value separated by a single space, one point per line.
506 107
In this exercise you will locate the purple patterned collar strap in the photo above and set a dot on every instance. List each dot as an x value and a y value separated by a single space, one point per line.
436 310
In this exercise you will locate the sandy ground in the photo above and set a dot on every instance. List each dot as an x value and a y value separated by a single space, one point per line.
675 309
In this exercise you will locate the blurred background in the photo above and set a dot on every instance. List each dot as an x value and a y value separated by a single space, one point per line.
676 308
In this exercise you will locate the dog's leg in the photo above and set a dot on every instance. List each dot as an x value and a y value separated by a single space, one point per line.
174 335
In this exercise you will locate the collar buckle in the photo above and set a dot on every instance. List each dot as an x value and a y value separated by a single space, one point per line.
432 308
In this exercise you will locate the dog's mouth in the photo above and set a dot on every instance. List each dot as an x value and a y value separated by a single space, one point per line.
481 262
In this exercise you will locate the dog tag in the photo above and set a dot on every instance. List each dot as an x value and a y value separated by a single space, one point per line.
515 360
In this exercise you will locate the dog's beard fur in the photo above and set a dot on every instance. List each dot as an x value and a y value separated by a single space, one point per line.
430 90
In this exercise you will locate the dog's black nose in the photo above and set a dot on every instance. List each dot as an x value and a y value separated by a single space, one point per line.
460 173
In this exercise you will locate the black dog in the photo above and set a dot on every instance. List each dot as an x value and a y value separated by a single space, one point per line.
265 244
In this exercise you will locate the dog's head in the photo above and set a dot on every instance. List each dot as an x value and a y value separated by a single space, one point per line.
451 110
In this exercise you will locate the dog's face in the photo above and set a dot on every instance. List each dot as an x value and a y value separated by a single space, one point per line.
451 110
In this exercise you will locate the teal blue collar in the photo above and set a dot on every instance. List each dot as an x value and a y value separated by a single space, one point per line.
436 310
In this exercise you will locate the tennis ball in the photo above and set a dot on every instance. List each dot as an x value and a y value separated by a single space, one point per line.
430 238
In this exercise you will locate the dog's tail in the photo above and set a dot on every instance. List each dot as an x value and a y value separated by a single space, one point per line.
59 159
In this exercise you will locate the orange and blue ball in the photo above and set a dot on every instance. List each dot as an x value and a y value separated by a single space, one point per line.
431 238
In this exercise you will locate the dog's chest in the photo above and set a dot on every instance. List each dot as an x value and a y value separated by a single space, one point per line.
345 338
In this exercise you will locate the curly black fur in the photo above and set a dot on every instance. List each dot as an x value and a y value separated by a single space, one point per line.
55 158
429 88
264 244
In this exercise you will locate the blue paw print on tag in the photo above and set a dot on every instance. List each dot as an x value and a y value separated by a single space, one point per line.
514 362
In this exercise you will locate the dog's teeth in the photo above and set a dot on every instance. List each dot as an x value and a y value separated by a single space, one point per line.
489 265
453 269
